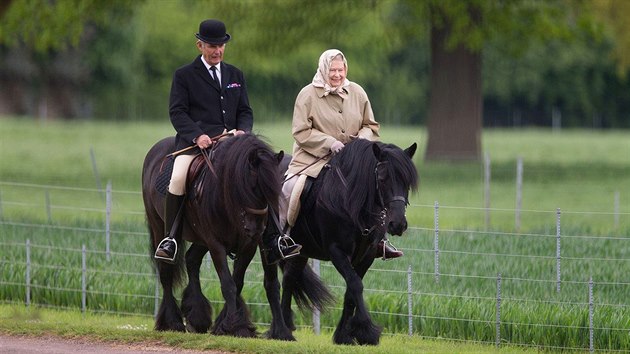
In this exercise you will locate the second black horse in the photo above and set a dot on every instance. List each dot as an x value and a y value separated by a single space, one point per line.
358 197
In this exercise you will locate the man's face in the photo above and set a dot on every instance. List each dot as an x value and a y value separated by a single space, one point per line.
212 53
337 73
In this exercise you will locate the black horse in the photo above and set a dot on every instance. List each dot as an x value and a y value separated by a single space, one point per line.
226 212
359 196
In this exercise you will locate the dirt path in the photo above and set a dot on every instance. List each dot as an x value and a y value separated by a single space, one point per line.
57 345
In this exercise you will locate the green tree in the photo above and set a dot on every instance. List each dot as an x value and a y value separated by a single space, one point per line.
43 47
459 31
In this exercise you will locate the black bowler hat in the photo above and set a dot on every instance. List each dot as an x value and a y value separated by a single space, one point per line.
213 32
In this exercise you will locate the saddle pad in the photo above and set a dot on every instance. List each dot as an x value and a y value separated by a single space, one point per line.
164 177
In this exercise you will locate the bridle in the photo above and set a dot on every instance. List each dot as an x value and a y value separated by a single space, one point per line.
382 215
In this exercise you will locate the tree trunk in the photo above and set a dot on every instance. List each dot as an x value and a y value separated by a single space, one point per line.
455 105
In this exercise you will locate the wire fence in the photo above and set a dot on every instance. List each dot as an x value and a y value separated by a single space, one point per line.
564 288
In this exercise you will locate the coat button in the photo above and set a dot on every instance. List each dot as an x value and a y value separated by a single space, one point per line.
343 131
223 111
340 111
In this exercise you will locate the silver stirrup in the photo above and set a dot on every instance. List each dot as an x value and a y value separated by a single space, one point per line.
286 241
169 260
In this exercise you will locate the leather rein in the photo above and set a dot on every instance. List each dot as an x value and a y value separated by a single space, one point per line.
382 215
208 156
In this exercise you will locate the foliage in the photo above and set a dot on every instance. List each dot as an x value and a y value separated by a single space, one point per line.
115 59
56 25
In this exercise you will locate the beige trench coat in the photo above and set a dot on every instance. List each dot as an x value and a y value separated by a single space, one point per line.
319 120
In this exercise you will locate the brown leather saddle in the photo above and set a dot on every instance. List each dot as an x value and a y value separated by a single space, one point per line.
194 182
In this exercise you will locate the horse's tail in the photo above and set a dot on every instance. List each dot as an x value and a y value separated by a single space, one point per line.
309 291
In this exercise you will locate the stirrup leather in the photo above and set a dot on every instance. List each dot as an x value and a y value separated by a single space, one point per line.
170 260
385 243
285 242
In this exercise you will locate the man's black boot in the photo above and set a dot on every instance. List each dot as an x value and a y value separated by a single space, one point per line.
167 249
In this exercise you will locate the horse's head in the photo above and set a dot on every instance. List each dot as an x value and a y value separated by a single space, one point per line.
251 183
395 177
368 184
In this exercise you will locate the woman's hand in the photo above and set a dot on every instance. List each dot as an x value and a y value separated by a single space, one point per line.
336 147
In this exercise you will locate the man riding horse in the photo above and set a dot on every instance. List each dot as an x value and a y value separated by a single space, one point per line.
208 97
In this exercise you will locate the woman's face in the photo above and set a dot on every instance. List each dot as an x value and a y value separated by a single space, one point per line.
337 73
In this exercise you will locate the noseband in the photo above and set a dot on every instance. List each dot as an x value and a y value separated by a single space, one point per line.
262 211
397 198
383 214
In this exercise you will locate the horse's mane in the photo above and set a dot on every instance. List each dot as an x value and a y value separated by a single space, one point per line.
355 199
238 161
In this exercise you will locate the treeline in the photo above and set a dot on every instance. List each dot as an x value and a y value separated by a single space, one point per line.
122 65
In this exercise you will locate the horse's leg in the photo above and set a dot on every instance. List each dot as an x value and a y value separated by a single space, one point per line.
224 324
195 305
169 316
364 330
292 272
240 325
278 328
355 322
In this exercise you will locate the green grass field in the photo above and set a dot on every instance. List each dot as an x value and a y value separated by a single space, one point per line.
46 171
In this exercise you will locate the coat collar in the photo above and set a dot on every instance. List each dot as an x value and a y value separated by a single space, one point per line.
201 69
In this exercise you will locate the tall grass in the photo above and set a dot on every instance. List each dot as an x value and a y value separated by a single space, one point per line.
577 171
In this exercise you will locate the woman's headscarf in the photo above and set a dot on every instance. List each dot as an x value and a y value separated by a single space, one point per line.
321 76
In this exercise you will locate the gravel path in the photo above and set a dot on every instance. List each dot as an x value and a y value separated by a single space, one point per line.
57 345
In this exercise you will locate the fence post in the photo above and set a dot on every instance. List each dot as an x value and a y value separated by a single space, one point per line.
1 211
83 279
486 189
498 319
590 315
96 175
410 300
519 195
28 272
108 217
316 315
617 197
48 210
558 250
436 244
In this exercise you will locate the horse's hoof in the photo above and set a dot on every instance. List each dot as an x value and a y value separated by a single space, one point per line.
342 337
280 335
365 333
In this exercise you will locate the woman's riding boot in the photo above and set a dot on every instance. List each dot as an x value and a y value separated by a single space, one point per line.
385 250
167 249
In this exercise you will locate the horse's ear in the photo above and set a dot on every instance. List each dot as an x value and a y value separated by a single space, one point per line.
280 156
411 150
376 150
